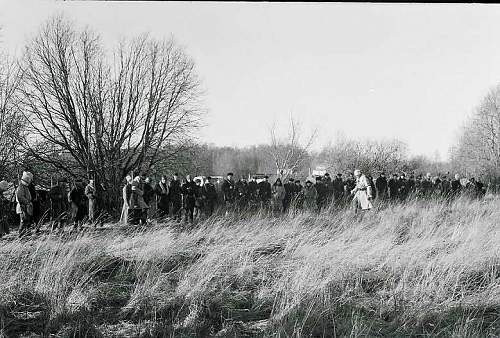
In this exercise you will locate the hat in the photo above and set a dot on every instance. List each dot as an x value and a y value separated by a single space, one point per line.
291 180
209 178
4 185
176 174
308 181
297 181
327 174
266 176
230 174
318 178
339 174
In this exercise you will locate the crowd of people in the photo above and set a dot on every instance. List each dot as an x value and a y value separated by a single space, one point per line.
191 199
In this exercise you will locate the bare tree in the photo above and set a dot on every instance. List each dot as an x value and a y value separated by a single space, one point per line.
107 116
370 155
478 148
12 125
291 152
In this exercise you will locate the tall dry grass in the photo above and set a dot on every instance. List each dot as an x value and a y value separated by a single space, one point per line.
419 269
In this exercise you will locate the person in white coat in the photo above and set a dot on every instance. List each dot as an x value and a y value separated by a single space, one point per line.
362 192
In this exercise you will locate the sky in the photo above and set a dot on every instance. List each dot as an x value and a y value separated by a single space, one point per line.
366 71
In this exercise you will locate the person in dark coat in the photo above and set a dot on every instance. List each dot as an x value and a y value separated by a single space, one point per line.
349 185
445 187
393 187
57 195
456 186
189 191
381 186
322 191
78 203
241 191
426 186
228 190
329 190
24 206
210 196
298 196
4 209
162 197
338 188
252 191
175 196
289 194
35 200
403 187
265 192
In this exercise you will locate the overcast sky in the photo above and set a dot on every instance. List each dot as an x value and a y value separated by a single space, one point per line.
414 72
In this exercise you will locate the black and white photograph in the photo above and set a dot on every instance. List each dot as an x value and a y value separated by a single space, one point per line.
249 169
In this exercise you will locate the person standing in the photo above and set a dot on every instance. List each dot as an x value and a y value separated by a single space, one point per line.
456 186
4 209
297 199
362 192
24 207
162 197
393 187
137 204
210 194
279 194
91 194
252 191
228 190
265 192
289 194
148 196
329 190
58 203
77 201
189 198
126 195
338 188
175 196
381 186
322 193
310 196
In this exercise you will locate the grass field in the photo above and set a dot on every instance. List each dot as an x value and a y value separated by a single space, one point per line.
422 269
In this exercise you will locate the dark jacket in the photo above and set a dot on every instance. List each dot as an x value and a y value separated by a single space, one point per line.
175 191
265 191
228 190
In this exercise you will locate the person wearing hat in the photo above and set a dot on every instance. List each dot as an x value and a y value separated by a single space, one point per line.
4 209
137 204
210 196
265 192
228 190
349 184
175 196
310 196
24 207
58 204
362 192
189 189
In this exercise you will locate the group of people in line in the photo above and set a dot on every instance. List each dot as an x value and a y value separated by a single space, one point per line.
191 199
